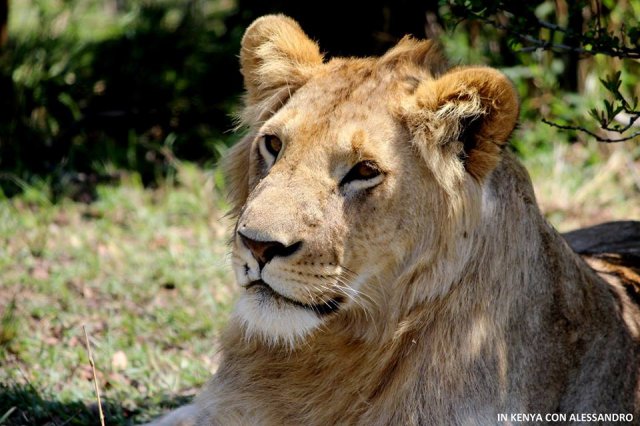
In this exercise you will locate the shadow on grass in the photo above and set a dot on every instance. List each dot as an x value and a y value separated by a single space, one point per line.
25 405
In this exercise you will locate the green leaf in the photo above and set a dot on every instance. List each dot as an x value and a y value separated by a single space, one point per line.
609 107
67 100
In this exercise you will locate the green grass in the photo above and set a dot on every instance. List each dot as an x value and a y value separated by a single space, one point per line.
146 271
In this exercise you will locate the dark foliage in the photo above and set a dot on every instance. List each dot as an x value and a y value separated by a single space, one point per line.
75 111
135 101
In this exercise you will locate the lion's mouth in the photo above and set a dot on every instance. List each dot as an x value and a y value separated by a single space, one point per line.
323 308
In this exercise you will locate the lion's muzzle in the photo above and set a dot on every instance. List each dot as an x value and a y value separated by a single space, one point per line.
264 251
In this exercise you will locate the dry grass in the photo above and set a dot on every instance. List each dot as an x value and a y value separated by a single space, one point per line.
579 186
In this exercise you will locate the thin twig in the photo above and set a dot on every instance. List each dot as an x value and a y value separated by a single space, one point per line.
589 132
632 117
95 378
632 123
552 27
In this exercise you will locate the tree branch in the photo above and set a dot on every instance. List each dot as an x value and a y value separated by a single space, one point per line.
589 132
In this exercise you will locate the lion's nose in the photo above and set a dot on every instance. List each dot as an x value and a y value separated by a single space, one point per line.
264 251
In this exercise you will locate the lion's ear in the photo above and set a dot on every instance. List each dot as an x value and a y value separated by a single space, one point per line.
276 57
474 110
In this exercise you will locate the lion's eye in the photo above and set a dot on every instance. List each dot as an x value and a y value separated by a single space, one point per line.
269 147
272 145
364 170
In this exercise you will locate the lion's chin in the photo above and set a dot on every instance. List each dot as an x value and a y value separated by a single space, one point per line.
273 320
266 292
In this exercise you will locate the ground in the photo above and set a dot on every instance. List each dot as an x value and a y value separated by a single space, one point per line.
146 272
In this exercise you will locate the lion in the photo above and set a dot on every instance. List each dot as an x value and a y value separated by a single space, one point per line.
393 265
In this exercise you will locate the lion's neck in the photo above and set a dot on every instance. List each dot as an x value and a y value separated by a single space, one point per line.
506 247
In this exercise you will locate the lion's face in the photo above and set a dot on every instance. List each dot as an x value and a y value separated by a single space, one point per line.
328 184
332 193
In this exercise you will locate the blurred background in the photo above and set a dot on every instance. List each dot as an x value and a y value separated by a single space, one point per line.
113 114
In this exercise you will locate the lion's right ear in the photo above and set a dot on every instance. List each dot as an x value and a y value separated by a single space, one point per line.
276 59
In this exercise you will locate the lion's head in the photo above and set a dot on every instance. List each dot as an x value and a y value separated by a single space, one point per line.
353 170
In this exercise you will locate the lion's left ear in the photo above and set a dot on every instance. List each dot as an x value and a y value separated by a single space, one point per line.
471 111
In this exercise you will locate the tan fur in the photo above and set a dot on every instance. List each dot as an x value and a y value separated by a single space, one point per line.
460 301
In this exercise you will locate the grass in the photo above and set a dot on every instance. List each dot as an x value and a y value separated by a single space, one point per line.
146 271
